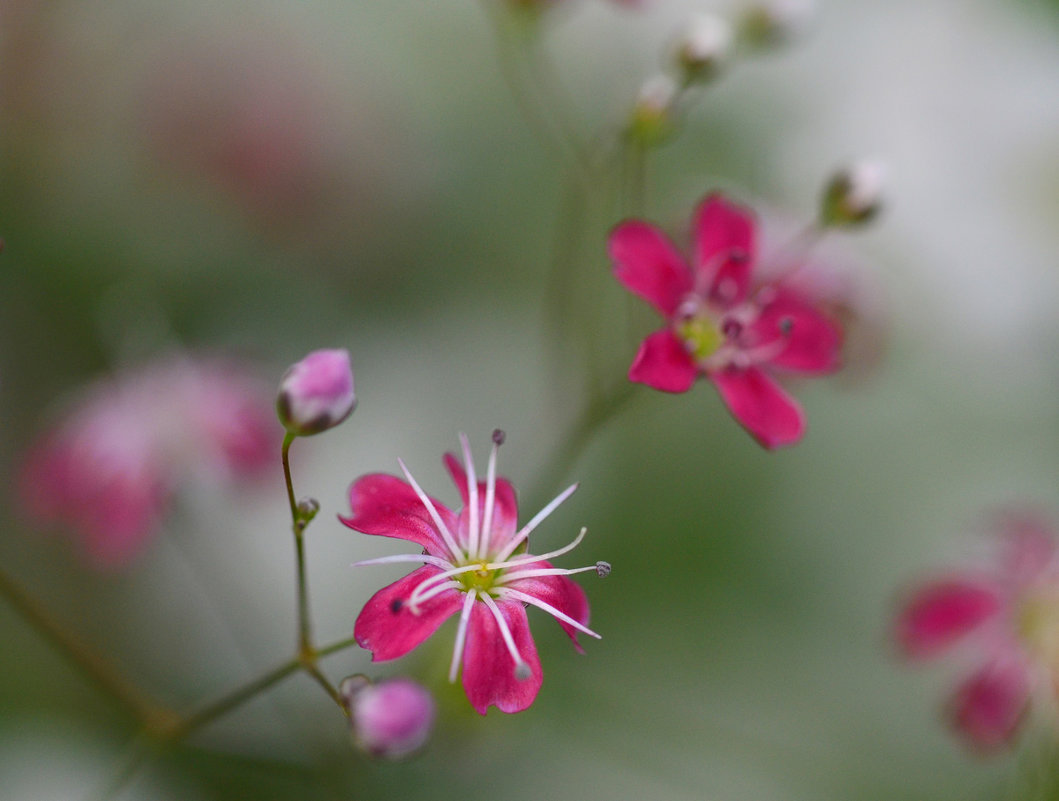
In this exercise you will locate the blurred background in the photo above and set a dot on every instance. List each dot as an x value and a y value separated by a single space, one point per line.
259 180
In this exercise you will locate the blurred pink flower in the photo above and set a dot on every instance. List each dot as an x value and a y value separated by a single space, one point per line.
108 469
719 324
1005 613
475 562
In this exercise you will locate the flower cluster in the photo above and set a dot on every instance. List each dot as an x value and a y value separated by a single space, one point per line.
720 323
109 468
476 564
1005 614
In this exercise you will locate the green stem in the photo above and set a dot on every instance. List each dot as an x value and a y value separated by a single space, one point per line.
298 523
151 715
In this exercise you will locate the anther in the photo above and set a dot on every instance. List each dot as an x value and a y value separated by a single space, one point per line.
396 605
522 671
738 255
731 328
498 436
603 569
786 326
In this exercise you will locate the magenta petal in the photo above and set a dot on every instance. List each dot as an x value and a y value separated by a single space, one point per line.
724 250
488 668
663 363
941 613
646 262
505 509
771 416
558 591
988 707
387 506
811 341
388 628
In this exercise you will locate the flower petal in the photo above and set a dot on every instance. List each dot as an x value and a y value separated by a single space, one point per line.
724 250
771 416
488 669
663 363
942 612
505 508
648 264
812 340
385 505
988 707
388 628
1028 546
558 591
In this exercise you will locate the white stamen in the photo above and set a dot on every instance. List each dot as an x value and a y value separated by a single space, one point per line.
472 496
507 592
446 535
437 589
515 575
528 558
426 558
429 582
509 641
536 521
490 500
461 634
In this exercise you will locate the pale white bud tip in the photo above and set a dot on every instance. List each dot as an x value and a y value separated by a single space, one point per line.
706 41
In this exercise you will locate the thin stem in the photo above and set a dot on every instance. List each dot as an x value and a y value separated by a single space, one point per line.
594 415
298 523
151 715
335 647
237 697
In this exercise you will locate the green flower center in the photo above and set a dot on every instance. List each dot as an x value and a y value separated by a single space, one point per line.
481 579
1038 623
701 335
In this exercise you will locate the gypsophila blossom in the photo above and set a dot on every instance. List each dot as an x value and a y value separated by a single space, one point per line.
475 564
109 468
720 324
1002 616
317 393
391 718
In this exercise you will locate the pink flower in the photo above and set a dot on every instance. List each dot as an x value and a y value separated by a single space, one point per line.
390 719
109 468
1005 614
475 563
317 393
719 324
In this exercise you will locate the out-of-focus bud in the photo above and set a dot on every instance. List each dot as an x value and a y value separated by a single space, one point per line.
653 115
770 23
390 719
703 48
317 393
853 196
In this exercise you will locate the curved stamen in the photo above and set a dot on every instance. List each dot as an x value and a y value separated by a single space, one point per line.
472 496
522 670
437 589
446 535
461 634
426 558
704 276
515 575
527 529
507 592
431 581
528 558
490 494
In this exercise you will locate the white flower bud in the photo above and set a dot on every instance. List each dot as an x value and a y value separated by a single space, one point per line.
704 47
854 194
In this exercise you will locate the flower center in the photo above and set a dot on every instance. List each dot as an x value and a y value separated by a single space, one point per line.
1038 623
481 579
700 335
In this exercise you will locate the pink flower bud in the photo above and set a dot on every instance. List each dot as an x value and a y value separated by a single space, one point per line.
317 393
391 719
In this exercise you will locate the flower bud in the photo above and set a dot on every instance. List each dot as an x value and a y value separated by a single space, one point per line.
770 23
390 719
652 116
853 196
703 48
316 393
